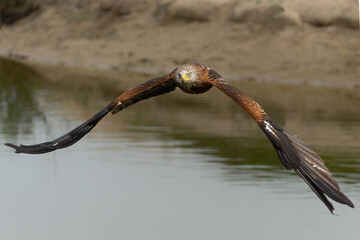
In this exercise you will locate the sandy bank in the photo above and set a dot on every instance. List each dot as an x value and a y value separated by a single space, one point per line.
279 41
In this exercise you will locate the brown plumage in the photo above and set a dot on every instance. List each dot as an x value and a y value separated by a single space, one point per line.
195 79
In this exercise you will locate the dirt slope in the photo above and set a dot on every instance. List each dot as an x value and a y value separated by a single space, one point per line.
291 41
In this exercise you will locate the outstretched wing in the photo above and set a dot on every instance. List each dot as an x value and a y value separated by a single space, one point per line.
150 88
65 140
293 153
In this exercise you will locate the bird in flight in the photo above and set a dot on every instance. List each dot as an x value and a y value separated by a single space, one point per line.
196 78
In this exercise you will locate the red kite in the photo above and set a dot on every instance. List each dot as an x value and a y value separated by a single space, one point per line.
195 79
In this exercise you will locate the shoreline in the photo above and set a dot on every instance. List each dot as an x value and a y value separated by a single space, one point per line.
41 64
286 42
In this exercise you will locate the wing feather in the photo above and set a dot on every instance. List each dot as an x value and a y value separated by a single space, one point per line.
150 88
292 152
295 154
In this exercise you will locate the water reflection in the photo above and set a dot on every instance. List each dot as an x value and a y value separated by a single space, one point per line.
210 122
178 166
18 105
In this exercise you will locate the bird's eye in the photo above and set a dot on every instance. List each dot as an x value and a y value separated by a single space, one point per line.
179 75
189 74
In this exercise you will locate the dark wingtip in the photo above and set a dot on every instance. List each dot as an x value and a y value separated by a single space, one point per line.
32 149
16 147
67 139
295 154
350 204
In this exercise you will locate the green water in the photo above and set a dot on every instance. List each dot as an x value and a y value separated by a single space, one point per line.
173 167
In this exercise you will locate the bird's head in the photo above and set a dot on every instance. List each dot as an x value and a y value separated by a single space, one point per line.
187 73
193 78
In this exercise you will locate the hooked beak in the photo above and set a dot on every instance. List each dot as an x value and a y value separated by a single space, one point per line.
184 78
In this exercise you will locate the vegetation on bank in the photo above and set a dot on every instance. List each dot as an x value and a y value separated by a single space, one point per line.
14 10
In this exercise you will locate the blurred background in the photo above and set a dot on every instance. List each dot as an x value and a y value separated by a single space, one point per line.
176 166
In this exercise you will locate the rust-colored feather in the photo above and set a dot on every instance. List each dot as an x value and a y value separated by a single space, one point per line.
148 89
250 106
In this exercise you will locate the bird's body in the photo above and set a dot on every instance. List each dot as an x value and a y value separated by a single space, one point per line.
196 79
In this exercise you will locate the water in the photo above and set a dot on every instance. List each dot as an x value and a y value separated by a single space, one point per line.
173 167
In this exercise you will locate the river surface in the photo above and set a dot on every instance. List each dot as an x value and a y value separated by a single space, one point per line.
172 167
